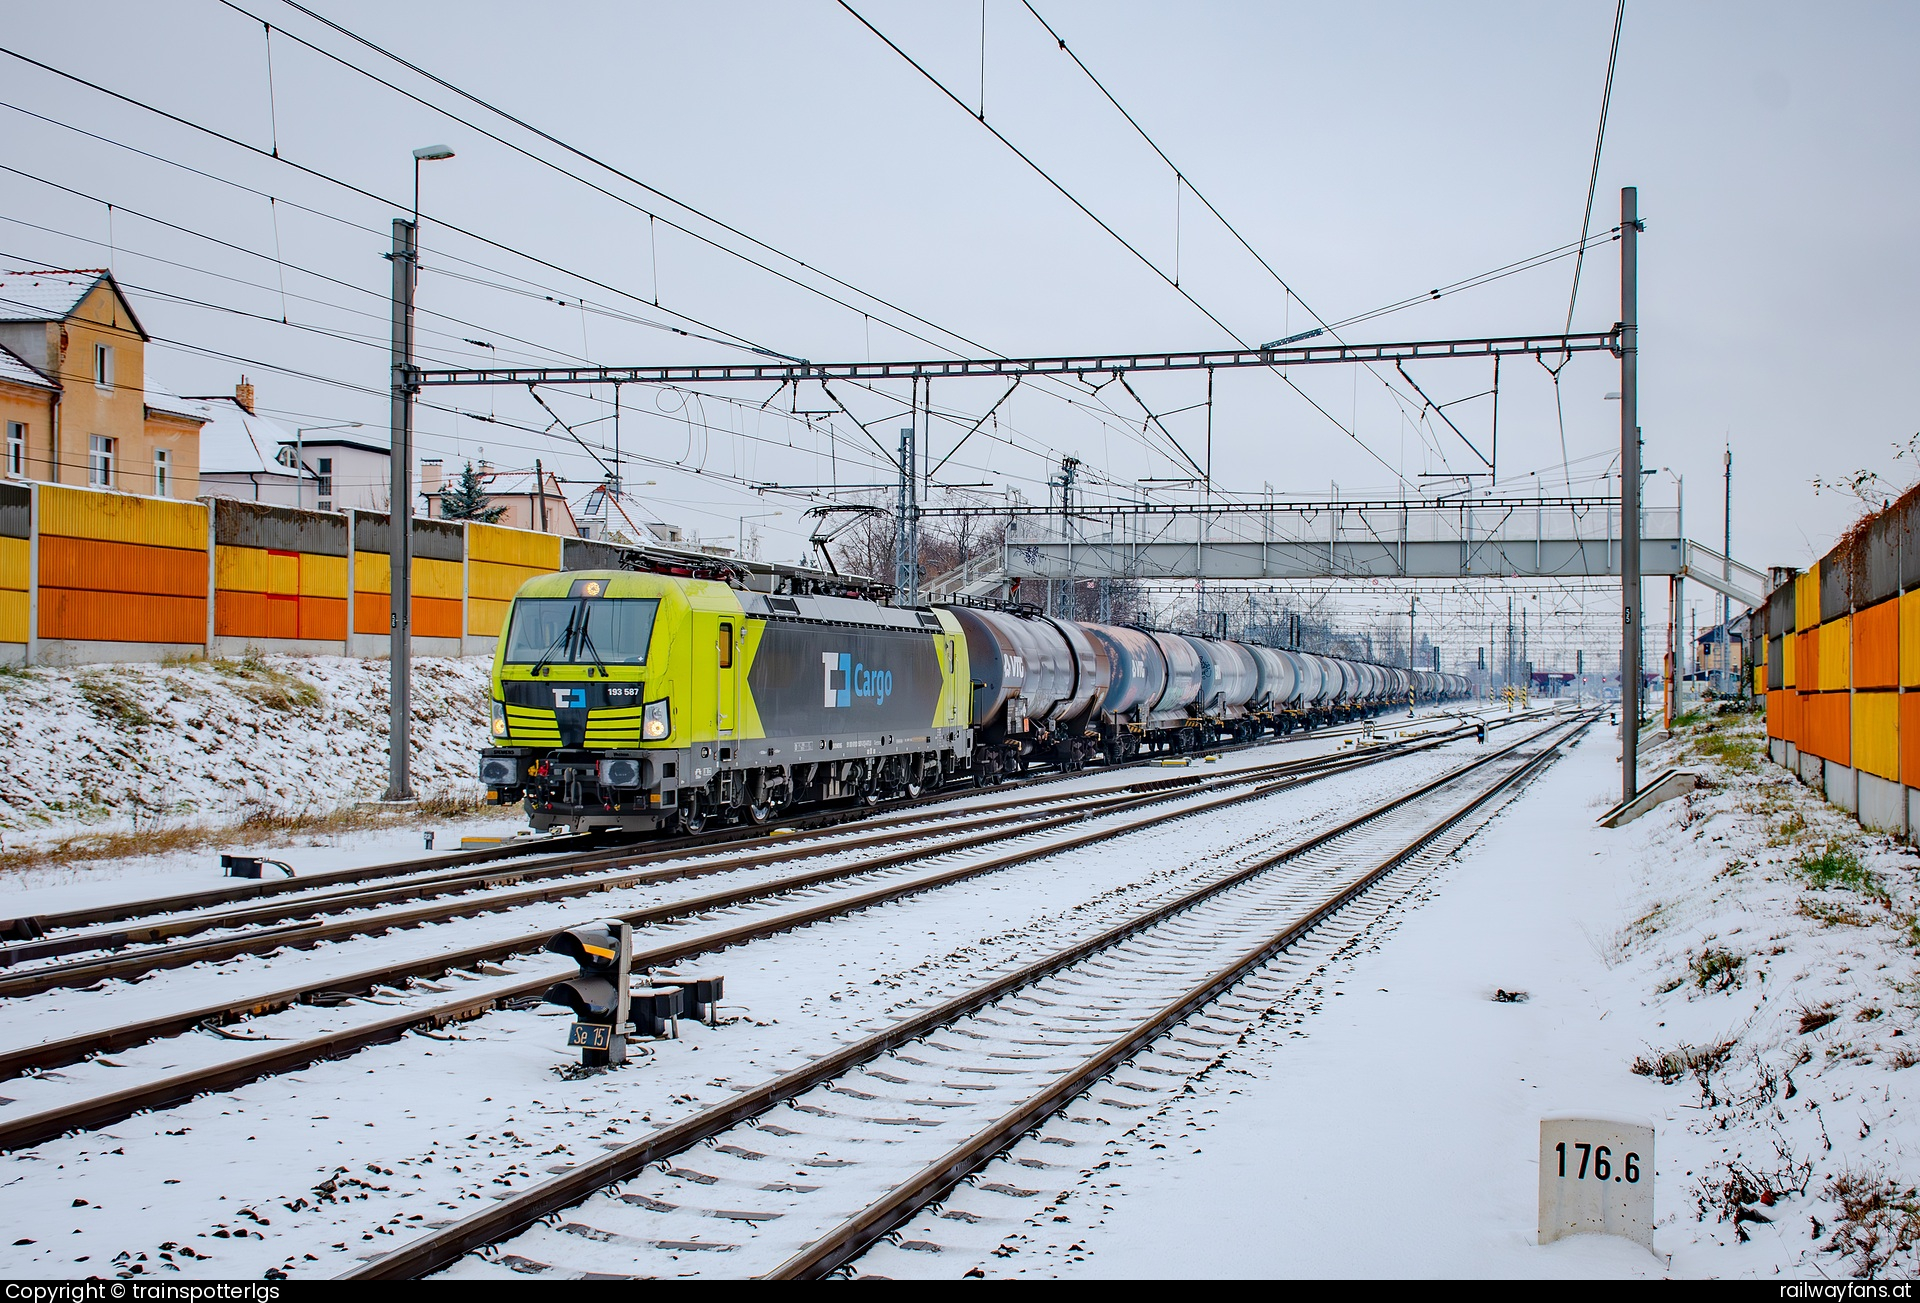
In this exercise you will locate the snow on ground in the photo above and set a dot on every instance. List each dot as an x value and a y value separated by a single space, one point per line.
1738 966
334 1159
444 758
125 748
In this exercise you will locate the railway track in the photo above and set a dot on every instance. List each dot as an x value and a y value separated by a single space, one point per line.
157 944
919 844
797 1176
530 858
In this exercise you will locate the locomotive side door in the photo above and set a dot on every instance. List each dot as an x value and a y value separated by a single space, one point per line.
727 687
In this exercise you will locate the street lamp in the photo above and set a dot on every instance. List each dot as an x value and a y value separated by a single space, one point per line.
300 433
406 277
740 527
425 154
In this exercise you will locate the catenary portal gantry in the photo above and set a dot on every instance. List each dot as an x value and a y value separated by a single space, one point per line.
791 370
1621 341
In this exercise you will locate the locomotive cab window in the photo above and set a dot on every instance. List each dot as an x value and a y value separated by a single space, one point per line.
726 646
581 631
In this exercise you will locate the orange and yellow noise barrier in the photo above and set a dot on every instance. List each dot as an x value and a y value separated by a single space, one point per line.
1841 671
90 575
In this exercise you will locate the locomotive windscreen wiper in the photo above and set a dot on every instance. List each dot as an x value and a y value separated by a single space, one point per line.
562 639
586 640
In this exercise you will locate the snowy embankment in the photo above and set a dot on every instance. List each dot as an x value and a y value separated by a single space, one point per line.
162 751
1738 966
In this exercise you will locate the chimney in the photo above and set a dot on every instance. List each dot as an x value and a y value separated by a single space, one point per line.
432 475
243 395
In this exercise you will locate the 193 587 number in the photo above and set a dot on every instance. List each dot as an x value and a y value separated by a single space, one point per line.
1601 1164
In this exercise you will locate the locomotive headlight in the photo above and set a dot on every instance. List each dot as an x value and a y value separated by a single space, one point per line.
499 719
656 720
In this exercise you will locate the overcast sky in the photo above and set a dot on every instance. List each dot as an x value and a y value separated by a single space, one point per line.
1368 153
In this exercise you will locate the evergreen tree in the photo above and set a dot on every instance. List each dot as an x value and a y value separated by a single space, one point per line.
466 499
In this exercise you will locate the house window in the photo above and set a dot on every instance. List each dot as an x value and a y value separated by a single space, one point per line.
325 476
162 473
16 448
103 365
100 461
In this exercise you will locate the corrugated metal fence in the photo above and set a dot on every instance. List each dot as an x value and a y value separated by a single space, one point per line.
1841 671
90 576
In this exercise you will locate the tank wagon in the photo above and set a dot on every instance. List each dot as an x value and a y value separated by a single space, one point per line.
672 699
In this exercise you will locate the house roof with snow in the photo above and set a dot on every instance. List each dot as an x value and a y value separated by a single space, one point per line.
233 441
16 369
51 295
312 441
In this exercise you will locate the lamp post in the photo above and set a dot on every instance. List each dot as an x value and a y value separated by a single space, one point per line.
300 433
406 276
425 154
740 528
1632 617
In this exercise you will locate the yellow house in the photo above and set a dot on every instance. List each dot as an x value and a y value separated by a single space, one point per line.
73 391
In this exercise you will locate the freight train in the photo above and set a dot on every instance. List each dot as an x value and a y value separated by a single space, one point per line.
642 701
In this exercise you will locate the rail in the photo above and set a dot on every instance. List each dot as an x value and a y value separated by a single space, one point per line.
517 1212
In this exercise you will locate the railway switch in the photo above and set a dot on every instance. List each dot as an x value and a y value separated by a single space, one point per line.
599 997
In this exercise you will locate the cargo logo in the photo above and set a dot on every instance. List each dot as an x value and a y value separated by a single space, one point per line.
843 681
569 698
836 669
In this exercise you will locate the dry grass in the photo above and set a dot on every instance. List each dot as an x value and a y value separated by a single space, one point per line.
1879 1223
112 701
266 686
1831 915
1812 1019
1713 969
251 828
1791 830
1737 1192
1685 1060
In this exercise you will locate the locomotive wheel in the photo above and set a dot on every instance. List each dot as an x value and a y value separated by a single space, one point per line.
693 820
760 813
